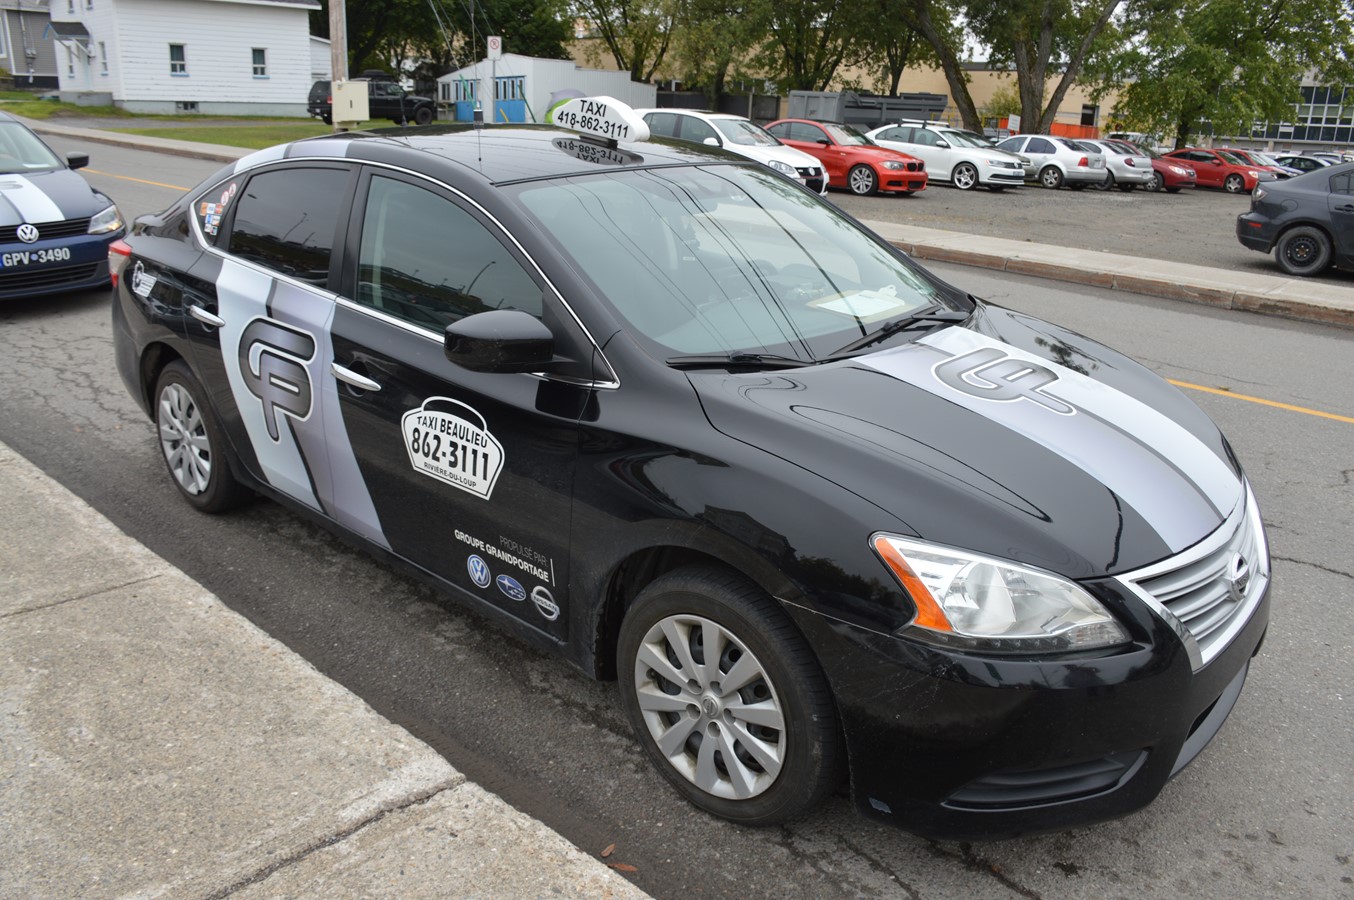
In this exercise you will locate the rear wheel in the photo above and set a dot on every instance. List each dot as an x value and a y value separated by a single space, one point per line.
726 697
1303 251
423 116
1106 184
862 180
1158 182
1234 184
1051 177
193 442
965 176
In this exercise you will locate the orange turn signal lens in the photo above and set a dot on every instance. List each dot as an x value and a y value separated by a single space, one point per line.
929 613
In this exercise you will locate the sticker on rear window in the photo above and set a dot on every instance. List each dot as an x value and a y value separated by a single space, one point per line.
451 442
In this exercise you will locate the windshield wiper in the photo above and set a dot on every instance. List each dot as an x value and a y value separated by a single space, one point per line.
888 329
735 361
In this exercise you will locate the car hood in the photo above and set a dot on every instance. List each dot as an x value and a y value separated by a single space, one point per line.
788 155
1006 435
46 197
862 151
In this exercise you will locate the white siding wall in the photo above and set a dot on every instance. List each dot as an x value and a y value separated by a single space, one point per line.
321 60
218 38
545 76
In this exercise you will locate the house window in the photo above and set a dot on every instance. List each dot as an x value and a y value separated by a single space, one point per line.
260 62
89 4
70 6
103 58
178 60
70 62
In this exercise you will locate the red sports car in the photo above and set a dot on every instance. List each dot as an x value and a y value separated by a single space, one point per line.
1218 168
851 159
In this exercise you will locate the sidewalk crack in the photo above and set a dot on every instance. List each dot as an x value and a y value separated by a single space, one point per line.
419 799
107 589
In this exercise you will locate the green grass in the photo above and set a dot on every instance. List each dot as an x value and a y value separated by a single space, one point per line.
252 136
49 109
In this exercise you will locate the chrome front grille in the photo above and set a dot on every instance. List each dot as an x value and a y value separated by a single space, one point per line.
1208 593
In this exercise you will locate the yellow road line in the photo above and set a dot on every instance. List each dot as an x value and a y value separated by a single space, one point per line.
1262 401
137 180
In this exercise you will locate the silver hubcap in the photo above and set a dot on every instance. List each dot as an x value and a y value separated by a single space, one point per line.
710 707
964 177
861 181
183 437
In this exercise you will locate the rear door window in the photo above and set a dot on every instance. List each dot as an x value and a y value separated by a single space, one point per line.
287 219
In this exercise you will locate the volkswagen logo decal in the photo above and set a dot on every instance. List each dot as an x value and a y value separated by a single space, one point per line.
1238 577
28 233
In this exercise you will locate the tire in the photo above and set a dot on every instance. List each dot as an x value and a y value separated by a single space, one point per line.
862 181
1234 184
327 119
1158 183
423 116
1303 251
1106 184
1050 177
193 443
964 176
779 724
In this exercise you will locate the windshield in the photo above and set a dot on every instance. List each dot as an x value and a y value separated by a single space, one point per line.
980 140
726 259
740 131
1231 158
845 134
22 151
959 139
1263 159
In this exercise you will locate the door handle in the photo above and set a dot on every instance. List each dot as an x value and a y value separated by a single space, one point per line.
1346 208
205 317
348 376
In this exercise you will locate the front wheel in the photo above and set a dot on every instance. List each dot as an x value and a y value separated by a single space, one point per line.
1158 182
423 116
193 442
1303 251
726 697
1234 184
862 180
965 176
1051 177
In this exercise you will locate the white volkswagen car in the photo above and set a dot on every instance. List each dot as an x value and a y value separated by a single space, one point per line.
737 135
952 156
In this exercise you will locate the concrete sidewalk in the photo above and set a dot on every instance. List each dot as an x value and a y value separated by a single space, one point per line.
153 742
1274 295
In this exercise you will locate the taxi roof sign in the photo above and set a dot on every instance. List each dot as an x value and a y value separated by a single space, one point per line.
605 118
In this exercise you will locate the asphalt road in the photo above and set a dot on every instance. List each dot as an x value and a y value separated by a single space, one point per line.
1266 811
1194 226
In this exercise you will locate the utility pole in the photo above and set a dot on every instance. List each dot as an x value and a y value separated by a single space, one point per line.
338 46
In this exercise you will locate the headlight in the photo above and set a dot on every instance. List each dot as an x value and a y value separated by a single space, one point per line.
895 164
108 220
1259 193
1179 171
783 168
976 602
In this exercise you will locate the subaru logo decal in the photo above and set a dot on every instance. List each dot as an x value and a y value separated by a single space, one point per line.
511 587
28 233
479 571
1238 577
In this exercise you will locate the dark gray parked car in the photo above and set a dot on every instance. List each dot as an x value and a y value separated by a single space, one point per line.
1307 221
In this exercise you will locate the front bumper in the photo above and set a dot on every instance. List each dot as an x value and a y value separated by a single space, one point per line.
958 746
84 266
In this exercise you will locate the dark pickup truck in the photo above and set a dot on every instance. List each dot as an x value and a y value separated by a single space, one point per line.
386 100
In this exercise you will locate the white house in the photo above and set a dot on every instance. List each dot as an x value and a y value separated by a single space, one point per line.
523 85
24 52
227 57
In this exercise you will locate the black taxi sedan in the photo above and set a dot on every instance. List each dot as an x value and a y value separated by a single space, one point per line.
670 415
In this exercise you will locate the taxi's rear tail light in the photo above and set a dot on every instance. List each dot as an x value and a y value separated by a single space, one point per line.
119 252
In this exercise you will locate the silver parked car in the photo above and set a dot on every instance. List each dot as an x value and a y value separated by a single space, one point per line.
1058 160
951 156
1127 169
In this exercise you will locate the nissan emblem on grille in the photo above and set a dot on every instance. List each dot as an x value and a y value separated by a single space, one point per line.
1238 577
28 233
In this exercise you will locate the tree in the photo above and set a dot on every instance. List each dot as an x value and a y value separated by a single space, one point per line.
637 32
893 43
712 39
807 40
1038 38
1005 102
1229 63
936 22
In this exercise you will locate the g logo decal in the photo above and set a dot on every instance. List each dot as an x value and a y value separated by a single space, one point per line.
991 374
282 382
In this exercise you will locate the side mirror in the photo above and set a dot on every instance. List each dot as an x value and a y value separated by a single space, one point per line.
711 142
943 145
824 141
500 340
77 160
